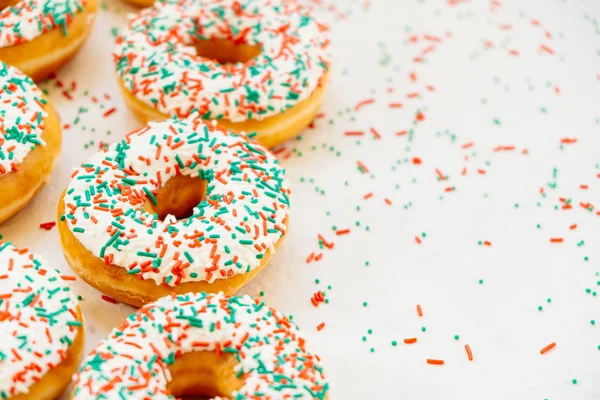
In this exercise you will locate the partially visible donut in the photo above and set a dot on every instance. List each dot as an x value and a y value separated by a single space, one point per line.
41 328
177 206
254 65
30 140
39 36
202 345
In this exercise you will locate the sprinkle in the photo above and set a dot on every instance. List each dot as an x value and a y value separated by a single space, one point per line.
48 225
547 348
362 167
362 103
109 299
568 140
109 112
469 353
410 340
435 362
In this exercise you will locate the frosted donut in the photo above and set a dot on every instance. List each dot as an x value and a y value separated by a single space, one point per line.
41 328
39 36
178 206
30 140
270 79
202 345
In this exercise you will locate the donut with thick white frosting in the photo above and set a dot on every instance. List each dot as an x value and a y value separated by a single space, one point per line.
177 206
202 345
41 328
30 139
39 36
254 65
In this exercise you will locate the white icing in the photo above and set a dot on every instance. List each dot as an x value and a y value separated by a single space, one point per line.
29 19
158 64
133 361
36 308
21 117
251 212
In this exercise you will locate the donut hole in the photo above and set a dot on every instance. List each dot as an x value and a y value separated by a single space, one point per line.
203 375
177 197
226 51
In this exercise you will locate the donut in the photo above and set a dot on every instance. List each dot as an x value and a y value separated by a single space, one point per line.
41 328
253 65
39 36
178 206
200 344
29 142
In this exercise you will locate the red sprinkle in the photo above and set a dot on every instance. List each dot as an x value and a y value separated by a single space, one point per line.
109 299
108 112
48 225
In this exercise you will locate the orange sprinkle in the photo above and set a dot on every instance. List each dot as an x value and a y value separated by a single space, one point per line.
410 340
469 353
418 239
321 326
568 140
387 201
504 148
417 161
467 145
440 175
354 133
375 133
419 310
68 277
310 257
547 348
574 226
547 49
362 166
368 195
435 362
363 103
342 232
556 240
487 243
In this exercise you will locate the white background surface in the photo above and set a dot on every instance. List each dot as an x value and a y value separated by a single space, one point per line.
472 85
